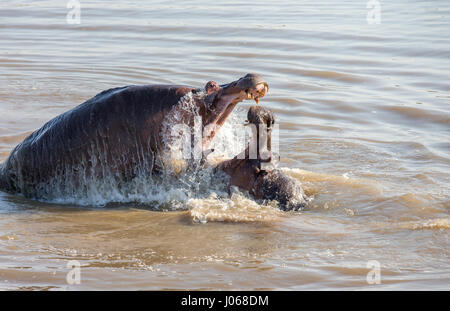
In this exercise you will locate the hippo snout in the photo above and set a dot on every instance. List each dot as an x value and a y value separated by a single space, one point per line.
251 86
250 81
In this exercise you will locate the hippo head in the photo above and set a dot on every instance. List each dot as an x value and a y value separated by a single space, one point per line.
220 100
254 175
276 185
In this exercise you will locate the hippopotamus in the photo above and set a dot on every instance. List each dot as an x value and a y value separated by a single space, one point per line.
256 172
123 133
118 135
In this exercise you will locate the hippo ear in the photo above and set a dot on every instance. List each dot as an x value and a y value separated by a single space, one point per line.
211 87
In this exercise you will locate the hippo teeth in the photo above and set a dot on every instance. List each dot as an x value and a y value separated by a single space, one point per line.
259 93
256 98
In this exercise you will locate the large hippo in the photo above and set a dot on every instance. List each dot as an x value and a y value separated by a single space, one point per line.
255 169
118 135
124 133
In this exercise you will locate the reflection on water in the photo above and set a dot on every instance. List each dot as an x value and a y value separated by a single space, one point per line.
364 125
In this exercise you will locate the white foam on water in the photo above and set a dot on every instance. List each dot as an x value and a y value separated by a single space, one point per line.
237 208
430 224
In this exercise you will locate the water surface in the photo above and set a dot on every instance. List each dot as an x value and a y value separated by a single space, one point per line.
364 125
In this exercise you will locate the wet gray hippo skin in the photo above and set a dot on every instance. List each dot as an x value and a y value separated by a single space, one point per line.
263 182
116 134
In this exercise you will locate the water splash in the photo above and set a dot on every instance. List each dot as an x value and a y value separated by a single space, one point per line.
237 208
183 184
176 154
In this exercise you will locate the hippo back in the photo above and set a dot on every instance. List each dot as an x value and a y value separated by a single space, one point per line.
112 135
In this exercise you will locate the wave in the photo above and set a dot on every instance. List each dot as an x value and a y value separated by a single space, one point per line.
430 224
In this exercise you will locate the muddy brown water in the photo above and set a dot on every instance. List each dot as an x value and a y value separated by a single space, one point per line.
364 120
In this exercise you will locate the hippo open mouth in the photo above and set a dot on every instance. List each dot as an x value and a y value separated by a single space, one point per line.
221 100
